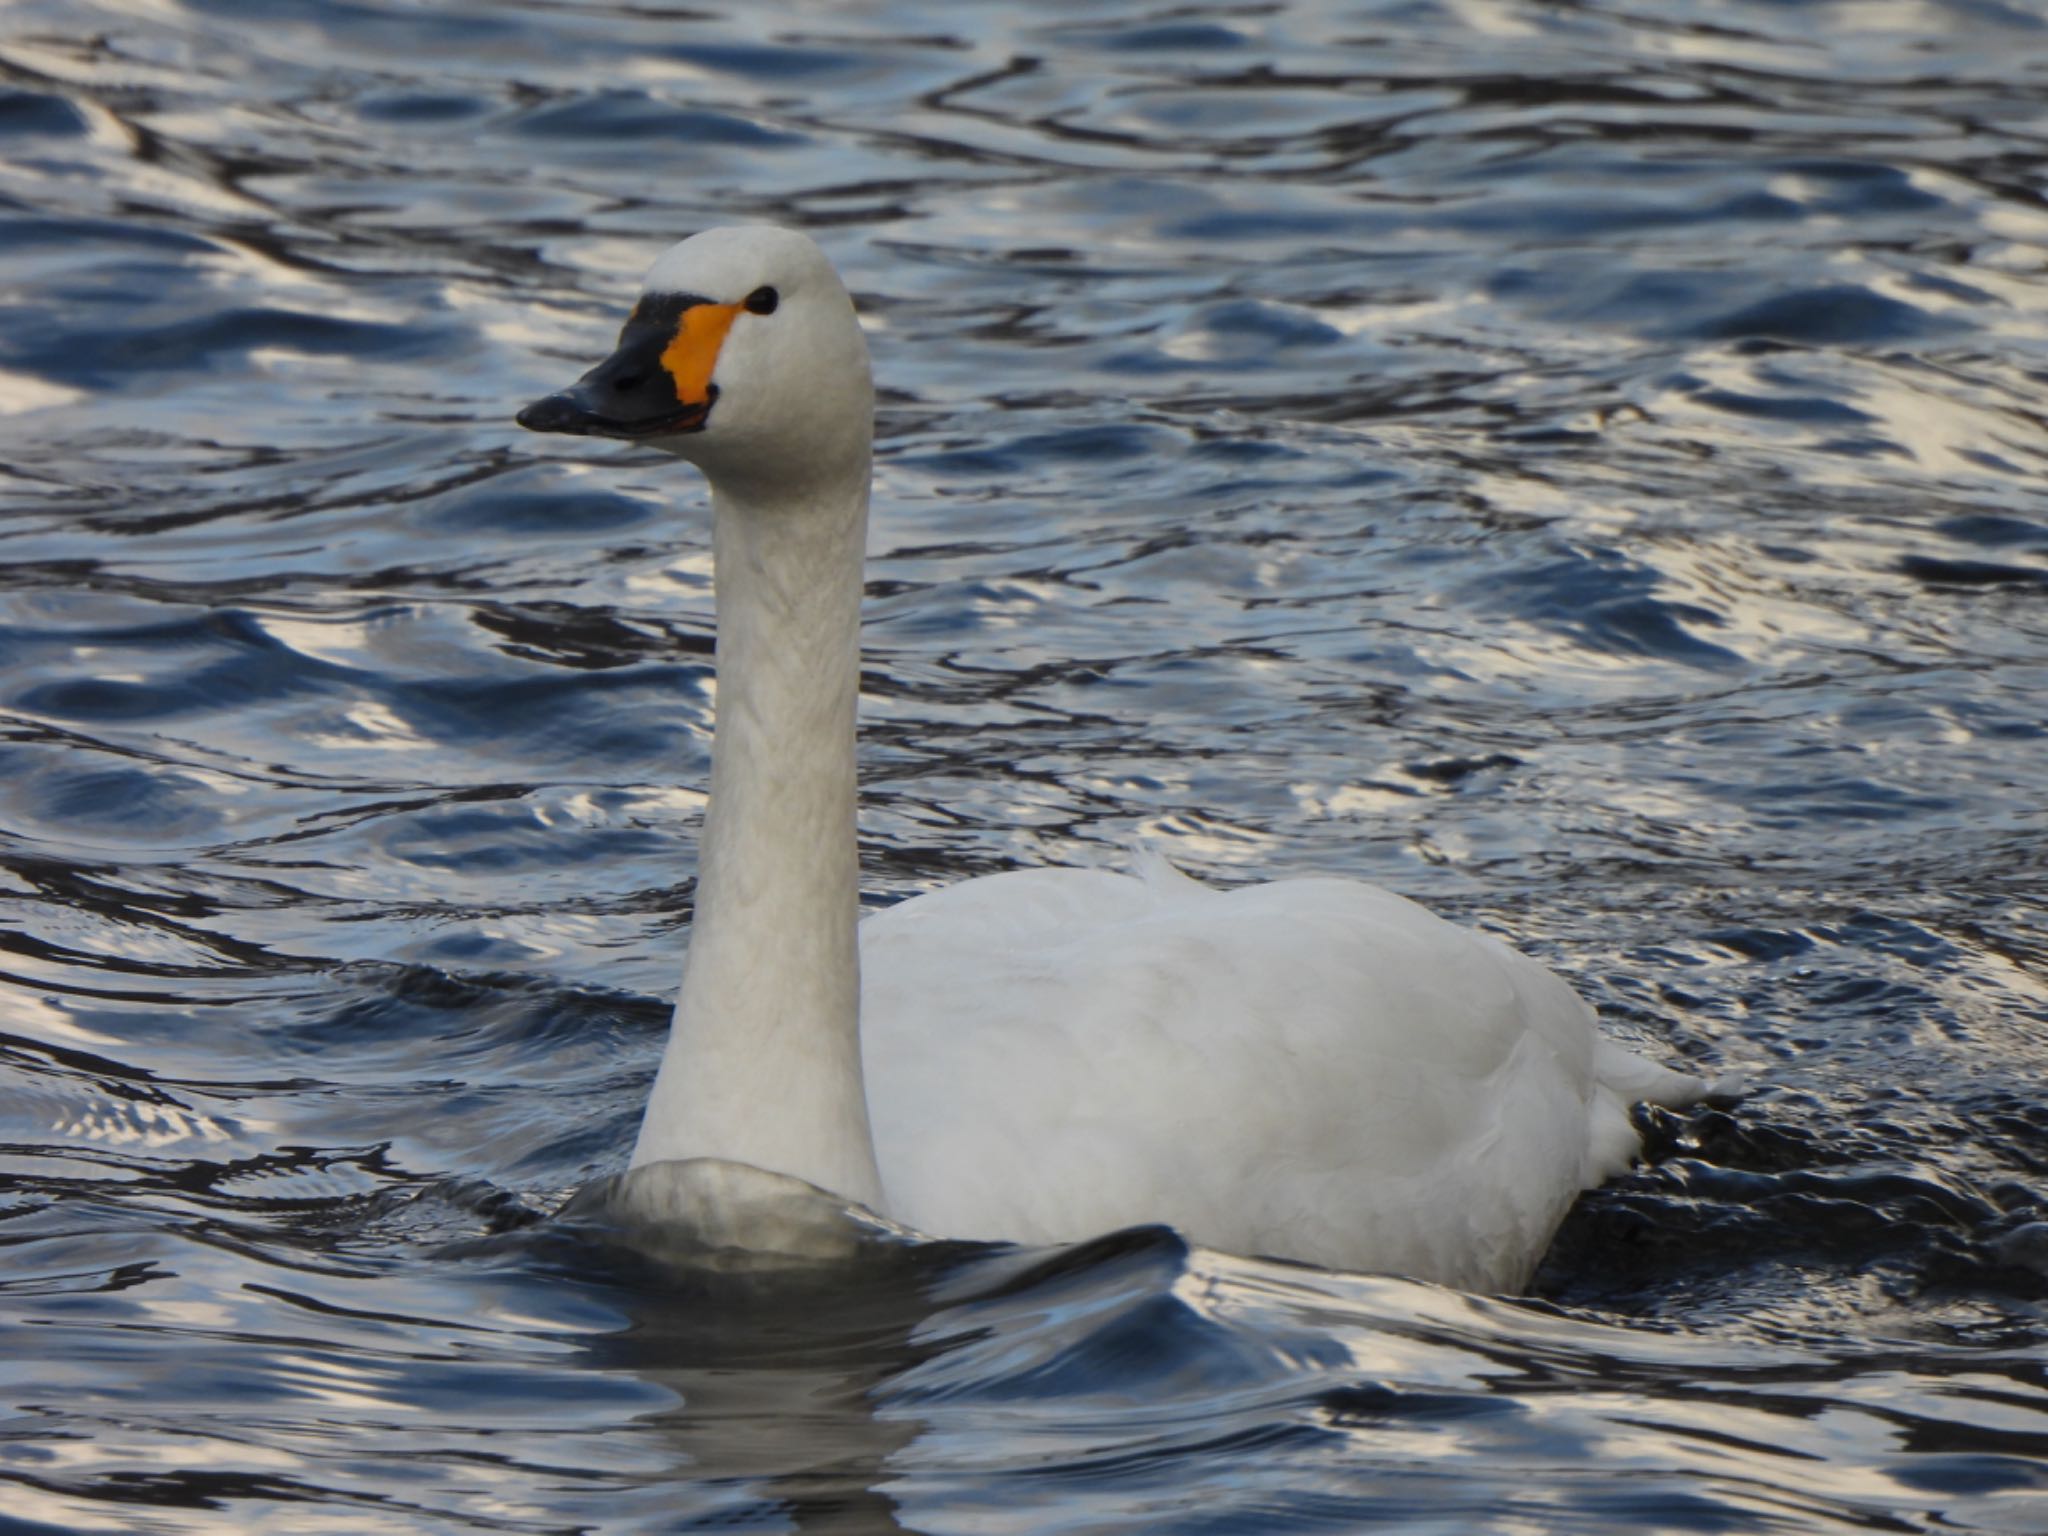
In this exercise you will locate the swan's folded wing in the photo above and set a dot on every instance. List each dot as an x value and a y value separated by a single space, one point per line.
1315 1067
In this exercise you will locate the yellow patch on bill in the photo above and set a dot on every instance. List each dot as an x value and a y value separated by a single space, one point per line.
691 356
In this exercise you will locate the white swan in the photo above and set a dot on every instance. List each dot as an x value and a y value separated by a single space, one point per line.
1314 1068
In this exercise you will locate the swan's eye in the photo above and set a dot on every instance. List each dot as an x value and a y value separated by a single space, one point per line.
762 301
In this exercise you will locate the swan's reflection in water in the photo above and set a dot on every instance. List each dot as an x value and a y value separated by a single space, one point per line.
831 1373
773 1314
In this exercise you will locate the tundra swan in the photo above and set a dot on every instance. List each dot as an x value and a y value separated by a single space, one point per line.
1313 1068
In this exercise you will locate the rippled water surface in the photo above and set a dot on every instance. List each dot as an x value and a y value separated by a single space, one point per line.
1577 464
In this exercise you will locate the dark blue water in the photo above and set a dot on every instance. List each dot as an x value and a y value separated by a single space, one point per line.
1578 464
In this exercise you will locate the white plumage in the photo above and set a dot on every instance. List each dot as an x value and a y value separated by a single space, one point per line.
1314 1068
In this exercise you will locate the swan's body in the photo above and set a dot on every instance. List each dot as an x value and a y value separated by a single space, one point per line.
1313 1068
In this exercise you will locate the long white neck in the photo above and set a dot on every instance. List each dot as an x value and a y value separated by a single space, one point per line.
763 1063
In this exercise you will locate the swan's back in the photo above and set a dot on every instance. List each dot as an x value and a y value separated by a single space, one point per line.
1313 1067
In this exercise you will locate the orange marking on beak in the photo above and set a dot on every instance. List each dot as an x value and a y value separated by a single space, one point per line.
691 356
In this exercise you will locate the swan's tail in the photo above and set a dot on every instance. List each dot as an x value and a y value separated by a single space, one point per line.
1634 1080
1625 1079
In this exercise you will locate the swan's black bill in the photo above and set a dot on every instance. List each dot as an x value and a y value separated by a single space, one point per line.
630 394
586 412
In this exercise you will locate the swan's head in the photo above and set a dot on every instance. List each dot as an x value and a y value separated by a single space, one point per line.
743 356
